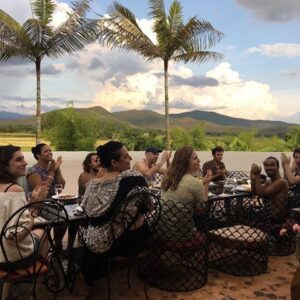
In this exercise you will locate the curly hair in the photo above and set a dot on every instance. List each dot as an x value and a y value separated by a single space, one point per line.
178 168
108 152
6 154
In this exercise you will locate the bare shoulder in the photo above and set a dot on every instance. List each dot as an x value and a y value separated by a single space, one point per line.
139 165
16 189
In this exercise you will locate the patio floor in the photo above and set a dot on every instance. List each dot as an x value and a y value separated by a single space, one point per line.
275 284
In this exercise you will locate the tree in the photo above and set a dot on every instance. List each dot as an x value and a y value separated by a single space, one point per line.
175 40
36 39
70 131
180 137
199 137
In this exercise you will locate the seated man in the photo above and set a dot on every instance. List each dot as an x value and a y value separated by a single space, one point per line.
292 173
91 169
276 188
216 166
148 166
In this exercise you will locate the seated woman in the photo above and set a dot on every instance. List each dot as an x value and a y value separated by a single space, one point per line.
12 197
46 169
180 187
103 195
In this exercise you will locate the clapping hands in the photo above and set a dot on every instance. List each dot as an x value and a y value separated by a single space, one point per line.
53 165
40 192
255 171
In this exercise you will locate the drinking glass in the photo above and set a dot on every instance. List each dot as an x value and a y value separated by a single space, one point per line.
58 189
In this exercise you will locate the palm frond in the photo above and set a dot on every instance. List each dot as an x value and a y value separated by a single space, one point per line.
198 56
157 9
175 17
43 10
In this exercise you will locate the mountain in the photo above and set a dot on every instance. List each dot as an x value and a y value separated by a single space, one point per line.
228 121
5 115
214 123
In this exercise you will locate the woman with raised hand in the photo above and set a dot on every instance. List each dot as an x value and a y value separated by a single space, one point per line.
46 169
12 197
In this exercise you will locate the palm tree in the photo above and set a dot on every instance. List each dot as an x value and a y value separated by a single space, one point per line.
36 38
175 40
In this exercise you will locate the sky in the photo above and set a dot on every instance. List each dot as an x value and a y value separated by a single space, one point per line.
258 78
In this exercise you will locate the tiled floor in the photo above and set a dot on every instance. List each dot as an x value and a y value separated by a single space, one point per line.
275 284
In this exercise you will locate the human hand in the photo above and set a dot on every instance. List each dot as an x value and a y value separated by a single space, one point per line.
168 155
207 177
221 172
255 171
40 192
285 160
51 166
296 228
58 163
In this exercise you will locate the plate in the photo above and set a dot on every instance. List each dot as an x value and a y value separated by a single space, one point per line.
243 188
65 197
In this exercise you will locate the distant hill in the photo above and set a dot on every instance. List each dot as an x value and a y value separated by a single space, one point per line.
229 121
214 123
5 115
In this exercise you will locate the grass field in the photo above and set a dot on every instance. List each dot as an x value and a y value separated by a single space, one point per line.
26 141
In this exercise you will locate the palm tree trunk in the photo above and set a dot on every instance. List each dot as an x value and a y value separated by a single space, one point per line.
167 118
38 100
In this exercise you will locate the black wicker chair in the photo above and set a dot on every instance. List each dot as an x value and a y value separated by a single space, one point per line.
176 258
47 215
130 243
237 231
237 174
284 245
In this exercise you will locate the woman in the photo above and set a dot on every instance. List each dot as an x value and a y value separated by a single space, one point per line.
183 191
46 169
103 195
12 197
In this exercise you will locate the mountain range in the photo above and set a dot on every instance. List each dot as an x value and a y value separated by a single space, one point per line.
214 123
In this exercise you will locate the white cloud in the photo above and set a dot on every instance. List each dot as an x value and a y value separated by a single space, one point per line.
279 49
273 10
60 14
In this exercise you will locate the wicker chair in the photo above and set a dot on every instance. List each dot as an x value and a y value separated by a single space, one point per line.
125 249
285 245
238 239
176 258
47 215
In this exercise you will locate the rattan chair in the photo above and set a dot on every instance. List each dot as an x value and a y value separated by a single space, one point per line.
238 234
47 215
176 257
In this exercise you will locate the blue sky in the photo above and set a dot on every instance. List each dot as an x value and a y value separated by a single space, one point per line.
257 79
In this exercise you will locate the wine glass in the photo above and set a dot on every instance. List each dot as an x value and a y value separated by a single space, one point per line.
58 189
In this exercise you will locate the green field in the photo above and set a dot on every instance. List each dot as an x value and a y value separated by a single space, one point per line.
26 141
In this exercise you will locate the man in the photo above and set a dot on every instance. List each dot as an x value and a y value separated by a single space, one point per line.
148 166
276 188
292 173
91 169
216 166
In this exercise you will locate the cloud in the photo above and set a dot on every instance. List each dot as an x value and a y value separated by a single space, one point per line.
53 69
273 10
274 50
196 81
232 96
291 73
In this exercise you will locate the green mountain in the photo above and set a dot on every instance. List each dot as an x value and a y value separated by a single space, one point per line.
213 123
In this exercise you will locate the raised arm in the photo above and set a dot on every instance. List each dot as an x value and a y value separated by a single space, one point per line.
285 161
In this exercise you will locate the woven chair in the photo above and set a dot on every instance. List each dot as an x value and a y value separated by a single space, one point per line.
49 265
125 249
285 245
237 231
237 174
176 257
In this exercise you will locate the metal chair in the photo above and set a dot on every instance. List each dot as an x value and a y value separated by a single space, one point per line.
46 215
129 243
176 257
238 234
237 174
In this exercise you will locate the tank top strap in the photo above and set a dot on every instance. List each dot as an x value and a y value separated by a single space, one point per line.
7 188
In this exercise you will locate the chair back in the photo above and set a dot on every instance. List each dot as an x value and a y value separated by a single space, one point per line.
17 240
237 174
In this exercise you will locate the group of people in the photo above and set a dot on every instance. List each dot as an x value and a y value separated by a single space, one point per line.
108 178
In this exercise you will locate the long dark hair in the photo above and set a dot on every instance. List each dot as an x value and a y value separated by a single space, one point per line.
178 168
87 162
37 149
108 152
6 154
